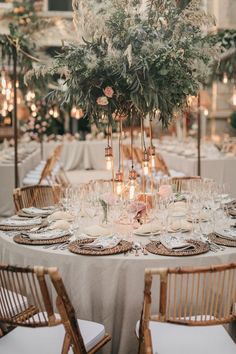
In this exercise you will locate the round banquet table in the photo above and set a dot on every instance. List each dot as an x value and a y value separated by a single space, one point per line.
106 289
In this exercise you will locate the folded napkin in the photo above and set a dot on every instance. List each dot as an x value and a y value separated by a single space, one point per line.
97 230
45 235
37 211
149 228
21 222
59 225
102 243
228 234
60 215
176 225
175 243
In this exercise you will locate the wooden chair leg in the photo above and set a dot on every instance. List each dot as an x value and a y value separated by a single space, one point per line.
66 344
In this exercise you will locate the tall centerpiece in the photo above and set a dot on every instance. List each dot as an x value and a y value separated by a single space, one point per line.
133 58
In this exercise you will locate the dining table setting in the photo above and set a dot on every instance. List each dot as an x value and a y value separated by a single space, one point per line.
92 234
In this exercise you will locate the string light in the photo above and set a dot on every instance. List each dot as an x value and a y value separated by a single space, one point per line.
152 156
119 182
108 157
225 78
145 163
76 112
132 183
234 97
30 96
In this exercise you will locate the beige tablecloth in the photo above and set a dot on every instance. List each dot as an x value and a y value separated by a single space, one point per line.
107 289
79 155
7 180
221 169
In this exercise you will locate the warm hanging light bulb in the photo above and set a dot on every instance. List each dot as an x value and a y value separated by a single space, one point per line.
225 78
206 112
119 182
73 111
108 157
3 80
30 96
145 163
56 113
132 183
152 156
234 97
50 111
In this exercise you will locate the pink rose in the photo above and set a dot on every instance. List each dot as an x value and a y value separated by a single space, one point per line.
165 191
137 207
108 91
102 101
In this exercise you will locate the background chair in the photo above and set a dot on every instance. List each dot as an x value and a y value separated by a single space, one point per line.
198 297
62 330
37 196
179 182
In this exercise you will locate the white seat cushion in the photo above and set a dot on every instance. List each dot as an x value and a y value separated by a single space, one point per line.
9 299
179 339
48 340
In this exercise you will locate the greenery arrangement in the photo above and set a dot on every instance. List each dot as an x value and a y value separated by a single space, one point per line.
145 57
226 40
233 120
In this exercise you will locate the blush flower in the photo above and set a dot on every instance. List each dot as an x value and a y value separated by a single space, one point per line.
165 191
102 101
108 91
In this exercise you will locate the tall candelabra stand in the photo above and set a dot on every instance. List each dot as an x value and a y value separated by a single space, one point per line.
119 178
199 135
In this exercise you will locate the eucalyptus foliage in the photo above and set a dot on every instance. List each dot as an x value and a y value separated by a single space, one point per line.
226 40
149 56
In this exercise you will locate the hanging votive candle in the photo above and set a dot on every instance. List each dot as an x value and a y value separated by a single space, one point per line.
225 78
152 156
108 157
145 163
119 183
132 183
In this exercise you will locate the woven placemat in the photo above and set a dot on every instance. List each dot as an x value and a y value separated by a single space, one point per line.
158 248
222 241
124 246
17 228
26 241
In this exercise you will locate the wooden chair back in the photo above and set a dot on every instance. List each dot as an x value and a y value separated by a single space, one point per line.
53 159
189 296
179 182
39 309
62 179
38 196
161 165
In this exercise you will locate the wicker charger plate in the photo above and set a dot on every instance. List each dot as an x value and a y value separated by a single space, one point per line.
31 216
222 241
26 241
124 246
18 228
158 248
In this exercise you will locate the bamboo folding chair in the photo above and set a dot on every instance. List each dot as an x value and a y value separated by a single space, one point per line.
178 182
53 159
198 297
62 179
161 165
37 196
40 311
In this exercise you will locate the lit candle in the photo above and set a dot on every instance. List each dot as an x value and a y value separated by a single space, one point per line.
225 78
